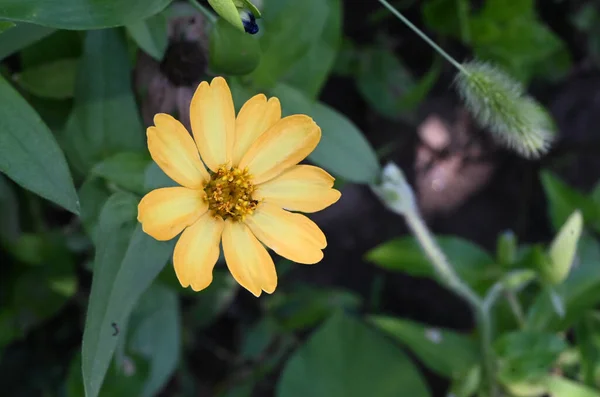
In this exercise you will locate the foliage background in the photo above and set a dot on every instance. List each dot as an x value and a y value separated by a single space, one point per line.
371 318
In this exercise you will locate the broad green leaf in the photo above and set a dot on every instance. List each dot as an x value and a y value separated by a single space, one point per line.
563 200
558 386
526 356
579 293
155 326
287 37
232 52
10 226
80 14
446 352
105 119
21 36
307 306
151 35
587 335
155 178
344 358
343 149
123 379
93 193
29 154
54 80
311 71
6 25
473 264
126 170
127 261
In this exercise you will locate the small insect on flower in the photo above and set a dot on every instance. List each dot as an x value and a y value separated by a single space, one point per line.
245 198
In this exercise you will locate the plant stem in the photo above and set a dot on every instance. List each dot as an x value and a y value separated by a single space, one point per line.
212 18
516 308
451 279
426 38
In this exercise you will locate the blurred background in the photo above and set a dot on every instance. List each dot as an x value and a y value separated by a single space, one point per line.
385 84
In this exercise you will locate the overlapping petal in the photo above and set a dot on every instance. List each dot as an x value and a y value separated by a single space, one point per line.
212 116
301 188
165 212
248 260
175 152
256 116
197 252
283 145
290 235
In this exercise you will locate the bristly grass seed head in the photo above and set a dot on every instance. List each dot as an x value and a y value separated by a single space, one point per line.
499 104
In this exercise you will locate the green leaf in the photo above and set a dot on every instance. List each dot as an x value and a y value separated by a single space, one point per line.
473 264
228 11
61 44
151 35
80 14
563 200
446 352
561 387
310 72
345 358
343 149
21 36
441 16
29 154
10 226
526 356
126 170
105 119
587 335
156 329
579 293
307 306
232 52
127 261
287 40
155 178
53 80
93 194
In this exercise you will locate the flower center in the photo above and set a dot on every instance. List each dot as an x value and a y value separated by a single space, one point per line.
229 194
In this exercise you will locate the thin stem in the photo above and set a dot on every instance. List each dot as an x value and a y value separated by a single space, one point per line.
426 38
455 283
516 308
212 18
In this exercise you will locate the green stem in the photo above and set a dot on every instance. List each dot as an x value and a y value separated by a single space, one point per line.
426 38
516 308
212 18
456 284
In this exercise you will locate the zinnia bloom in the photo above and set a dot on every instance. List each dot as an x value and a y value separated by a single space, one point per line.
243 200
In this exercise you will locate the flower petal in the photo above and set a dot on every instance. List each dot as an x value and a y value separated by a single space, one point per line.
292 236
165 212
301 188
256 116
247 259
212 116
283 145
197 252
173 149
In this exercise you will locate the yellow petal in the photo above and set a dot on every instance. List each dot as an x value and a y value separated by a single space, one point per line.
174 150
256 116
292 236
197 252
213 122
165 212
301 188
248 261
283 145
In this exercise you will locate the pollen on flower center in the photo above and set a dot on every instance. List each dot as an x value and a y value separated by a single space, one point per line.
229 194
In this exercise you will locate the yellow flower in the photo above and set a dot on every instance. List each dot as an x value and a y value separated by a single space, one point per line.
239 202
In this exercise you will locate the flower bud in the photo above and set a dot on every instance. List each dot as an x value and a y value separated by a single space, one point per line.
562 251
